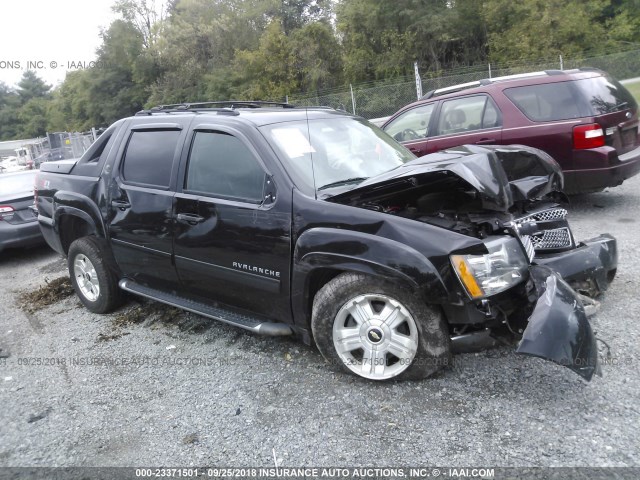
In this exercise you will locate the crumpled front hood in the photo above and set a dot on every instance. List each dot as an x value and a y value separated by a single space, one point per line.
501 175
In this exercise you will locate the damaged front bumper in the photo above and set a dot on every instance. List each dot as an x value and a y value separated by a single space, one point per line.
589 268
558 328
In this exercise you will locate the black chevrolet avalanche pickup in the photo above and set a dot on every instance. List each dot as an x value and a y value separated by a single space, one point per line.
314 223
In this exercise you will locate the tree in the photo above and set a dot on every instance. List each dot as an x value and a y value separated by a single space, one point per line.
32 86
318 63
33 118
9 105
534 29
269 71
112 85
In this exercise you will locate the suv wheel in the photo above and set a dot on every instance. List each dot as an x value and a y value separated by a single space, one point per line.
93 275
377 330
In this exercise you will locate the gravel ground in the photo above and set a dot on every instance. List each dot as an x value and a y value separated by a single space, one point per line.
203 393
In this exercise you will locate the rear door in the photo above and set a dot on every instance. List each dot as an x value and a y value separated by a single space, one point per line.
140 201
472 119
233 231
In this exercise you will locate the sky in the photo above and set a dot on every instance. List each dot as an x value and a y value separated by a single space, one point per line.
50 36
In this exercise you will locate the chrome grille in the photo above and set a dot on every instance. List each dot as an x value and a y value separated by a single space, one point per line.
558 237
550 215
551 239
528 246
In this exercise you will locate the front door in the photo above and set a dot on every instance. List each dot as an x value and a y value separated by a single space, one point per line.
233 233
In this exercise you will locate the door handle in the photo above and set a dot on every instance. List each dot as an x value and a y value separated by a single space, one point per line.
190 218
486 141
415 151
121 204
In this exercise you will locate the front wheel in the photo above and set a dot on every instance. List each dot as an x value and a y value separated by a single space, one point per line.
92 275
377 330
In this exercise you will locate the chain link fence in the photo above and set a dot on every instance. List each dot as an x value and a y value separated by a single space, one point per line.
375 100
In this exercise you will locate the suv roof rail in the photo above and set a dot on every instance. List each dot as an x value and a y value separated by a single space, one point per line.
486 81
221 106
589 69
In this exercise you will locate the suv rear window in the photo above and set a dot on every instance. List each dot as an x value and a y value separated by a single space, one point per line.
605 95
566 100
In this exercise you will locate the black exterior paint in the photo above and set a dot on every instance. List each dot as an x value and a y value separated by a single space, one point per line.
267 258
558 328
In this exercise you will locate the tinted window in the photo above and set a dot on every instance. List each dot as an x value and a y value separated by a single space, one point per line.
411 125
221 165
605 95
547 103
467 114
149 157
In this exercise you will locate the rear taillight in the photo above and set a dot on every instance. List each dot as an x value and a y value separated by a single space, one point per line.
6 212
588 136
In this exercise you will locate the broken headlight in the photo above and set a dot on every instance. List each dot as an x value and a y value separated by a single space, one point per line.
503 267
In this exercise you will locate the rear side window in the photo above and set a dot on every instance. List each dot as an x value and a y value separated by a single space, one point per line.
548 102
223 166
148 159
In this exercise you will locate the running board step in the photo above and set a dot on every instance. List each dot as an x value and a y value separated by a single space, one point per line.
251 323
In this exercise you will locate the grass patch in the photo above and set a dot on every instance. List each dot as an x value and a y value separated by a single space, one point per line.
54 291
634 88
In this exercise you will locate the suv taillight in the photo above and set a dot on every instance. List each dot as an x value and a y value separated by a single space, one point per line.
588 136
6 212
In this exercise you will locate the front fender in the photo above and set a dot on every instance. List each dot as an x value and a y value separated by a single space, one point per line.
351 251
558 328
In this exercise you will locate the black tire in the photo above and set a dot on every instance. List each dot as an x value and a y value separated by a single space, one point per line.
96 251
432 351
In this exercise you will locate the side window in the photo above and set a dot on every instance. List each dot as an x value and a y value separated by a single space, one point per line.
222 166
411 125
149 156
491 117
545 103
462 115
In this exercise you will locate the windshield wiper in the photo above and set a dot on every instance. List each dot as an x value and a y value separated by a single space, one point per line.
343 182
618 106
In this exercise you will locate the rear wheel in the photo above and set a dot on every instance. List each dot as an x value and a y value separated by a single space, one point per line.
377 330
93 275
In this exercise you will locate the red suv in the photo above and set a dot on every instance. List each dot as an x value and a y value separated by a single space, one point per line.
586 120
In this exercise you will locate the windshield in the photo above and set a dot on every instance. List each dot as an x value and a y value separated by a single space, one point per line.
326 153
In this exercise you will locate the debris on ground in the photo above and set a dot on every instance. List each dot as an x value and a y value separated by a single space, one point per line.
107 338
54 291
35 417
190 439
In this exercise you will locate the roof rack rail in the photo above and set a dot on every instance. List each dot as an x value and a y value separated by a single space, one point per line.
220 106
589 69
485 81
